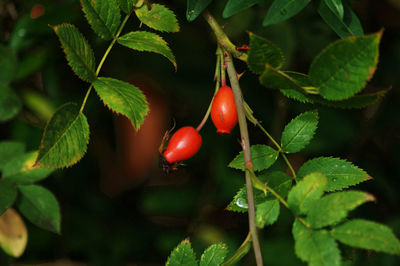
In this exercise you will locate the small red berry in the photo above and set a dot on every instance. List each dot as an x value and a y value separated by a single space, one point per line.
183 144
223 110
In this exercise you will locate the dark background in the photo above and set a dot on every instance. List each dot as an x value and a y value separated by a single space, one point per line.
118 207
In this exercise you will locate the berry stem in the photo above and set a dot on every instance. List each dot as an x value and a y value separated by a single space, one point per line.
217 77
103 59
223 72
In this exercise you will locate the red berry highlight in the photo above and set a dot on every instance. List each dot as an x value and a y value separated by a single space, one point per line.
183 144
223 110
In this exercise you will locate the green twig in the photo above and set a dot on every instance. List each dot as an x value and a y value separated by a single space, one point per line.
237 92
103 59
222 39
240 252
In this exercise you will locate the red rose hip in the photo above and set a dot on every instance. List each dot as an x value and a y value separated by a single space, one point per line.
223 110
183 144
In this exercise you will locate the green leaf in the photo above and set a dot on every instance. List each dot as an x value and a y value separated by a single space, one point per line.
281 10
344 67
158 17
149 42
10 104
214 255
267 213
336 6
182 255
126 5
235 6
65 138
8 64
8 195
299 132
263 52
103 16
123 98
316 247
40 207
344 25
79 54
263 157
334 207
368 235
31 63
195 7
9 149
340 173
21 169
307 191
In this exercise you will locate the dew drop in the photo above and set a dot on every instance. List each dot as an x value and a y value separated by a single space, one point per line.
334 180
242 203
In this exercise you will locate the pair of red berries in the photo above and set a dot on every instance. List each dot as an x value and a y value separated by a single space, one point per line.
186 141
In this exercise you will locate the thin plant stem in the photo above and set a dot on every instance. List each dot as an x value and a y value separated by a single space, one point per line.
217 77
223 39
279 149
240 252
103 59
234 82
223 67
264 187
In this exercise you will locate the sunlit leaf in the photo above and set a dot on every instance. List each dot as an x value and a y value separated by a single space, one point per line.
267 213
263 157
214 255
13 233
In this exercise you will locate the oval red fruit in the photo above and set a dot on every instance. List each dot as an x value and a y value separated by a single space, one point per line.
223 110
183 144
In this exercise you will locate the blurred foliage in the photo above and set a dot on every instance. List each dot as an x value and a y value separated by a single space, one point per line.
148 218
